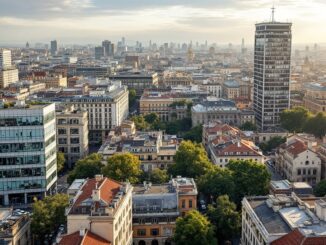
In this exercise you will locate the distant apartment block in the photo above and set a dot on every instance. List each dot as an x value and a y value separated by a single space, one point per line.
137 80
315 97
107 108
72 133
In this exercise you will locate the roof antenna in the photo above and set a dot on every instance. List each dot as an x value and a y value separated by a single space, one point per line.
273 13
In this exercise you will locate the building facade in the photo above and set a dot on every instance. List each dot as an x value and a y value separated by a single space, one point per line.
28 161
297 161
315 97
72 133
156 208
104 207
107 108
272 60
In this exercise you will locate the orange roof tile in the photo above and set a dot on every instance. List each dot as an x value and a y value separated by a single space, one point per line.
295 237
88 239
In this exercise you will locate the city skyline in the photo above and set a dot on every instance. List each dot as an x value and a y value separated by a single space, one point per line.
90 21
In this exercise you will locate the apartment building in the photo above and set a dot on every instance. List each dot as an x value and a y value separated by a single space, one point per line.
176 78
296 160
213 87
224 149
282 219
154 149
222 110
315 97
101 210
28 150
137 80
14 227
51 79
156 208
107 108
8 72
72 133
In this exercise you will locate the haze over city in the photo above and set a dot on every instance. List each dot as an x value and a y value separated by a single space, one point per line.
90 21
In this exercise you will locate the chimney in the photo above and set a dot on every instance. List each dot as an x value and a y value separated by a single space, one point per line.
98 177
82 232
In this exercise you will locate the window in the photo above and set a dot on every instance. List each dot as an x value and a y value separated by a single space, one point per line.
155 232
62 131
299 171
74 149
74 140
62 121
307 162
62 141
74 131
190 203
183 203
141 232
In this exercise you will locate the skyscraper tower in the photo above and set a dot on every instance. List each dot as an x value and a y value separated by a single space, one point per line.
272 62
54 47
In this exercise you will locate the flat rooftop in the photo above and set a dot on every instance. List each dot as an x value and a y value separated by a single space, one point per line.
273 222
153 189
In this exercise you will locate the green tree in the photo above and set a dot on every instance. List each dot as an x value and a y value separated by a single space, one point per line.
194 229
273 143
151 118
225 218
87 167
158 176
48 215
294 120
190 160
216 182
60 161
194 134
320 189
140 122
122 167
250 178
248 126
132 97
316 125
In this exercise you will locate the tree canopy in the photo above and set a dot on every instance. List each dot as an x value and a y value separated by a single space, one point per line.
132 97
273 143
250 178
190 160
194 229
216 182
158 176
122 167
194 134
320 189
295 119
225 218
316 125
48 215
248 126
87 167
60 161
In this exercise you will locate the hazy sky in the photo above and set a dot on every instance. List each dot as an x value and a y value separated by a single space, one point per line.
90 21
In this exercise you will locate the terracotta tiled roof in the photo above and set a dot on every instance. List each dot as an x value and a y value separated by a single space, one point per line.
108 189
295 237
296 147
88 239
242 147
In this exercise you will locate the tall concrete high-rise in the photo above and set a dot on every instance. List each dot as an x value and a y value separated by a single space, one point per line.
8 72
108 48
54 47
272 63
5 58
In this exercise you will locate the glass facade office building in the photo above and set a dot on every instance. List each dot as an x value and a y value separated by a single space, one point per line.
272 64
28 159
